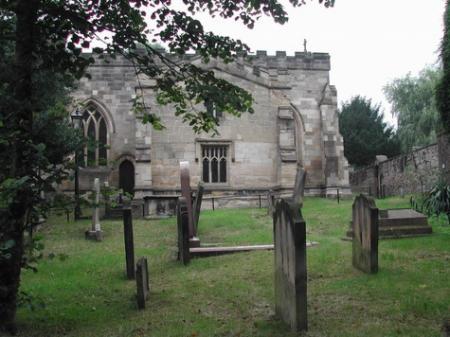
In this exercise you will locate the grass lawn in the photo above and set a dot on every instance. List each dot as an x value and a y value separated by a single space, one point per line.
233 295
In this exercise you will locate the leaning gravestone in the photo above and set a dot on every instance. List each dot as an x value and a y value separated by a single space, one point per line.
183 231
270 203
129 242
365 237
198 205
186 193
95 233
299 186
290 264
142 286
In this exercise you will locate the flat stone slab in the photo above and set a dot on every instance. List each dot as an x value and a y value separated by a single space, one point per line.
210 251
400 223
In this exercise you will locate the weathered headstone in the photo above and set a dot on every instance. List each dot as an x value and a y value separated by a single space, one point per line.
198 204
107 199
270 203
446 328
290 264
142 285
95 232
365 237
299 186
186 193
129 243
183 231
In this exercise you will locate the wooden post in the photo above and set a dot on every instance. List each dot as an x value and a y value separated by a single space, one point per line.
129 244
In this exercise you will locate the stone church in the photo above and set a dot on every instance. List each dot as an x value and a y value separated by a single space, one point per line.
295 124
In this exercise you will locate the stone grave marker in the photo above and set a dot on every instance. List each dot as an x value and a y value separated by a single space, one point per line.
142 281
186 193
95 233
183 231
129 243
198 204
290 264
270 203
299 186
365 238
446 328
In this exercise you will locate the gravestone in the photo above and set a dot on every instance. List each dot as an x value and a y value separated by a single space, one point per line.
299 186
270 203
290 264
446 328
129 243
95 233
365 237
186 193
183 231
142 285
198 204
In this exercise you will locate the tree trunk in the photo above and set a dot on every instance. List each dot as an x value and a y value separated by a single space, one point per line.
13 223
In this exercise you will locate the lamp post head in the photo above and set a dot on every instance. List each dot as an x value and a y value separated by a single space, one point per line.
76 117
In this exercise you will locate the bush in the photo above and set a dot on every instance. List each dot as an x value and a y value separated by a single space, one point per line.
437 200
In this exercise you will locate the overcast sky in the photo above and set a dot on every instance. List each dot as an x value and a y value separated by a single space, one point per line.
370 42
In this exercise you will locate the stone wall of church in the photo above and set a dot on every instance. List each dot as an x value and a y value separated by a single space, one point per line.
295 123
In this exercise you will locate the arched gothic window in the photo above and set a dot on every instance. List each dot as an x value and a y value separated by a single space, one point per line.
96 132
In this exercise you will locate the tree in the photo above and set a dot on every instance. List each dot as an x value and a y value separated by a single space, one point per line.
49 36
443 88
50 141
364 132
414 104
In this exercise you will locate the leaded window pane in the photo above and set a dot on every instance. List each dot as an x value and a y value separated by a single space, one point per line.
96 132
214 163
102 143
91 147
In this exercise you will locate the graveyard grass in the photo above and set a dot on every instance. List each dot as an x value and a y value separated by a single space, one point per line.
233 295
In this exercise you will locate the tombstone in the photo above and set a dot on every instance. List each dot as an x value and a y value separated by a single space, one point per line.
446 328
107 200
365 234
95 233
198 205
290 264
270 203
142 286
183 231
186 193
129 243
299 186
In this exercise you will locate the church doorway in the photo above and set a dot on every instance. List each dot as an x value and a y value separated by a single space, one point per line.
126 176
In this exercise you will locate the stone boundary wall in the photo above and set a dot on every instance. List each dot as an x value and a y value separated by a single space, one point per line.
414 172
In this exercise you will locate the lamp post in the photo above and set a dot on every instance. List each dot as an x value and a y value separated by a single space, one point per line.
77 117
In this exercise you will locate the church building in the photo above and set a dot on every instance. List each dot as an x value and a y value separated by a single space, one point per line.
295 124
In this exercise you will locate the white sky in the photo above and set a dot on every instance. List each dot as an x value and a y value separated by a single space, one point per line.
370 42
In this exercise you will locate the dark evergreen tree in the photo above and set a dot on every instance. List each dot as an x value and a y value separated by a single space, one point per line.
364 132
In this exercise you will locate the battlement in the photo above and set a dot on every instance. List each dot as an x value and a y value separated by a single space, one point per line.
261 59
